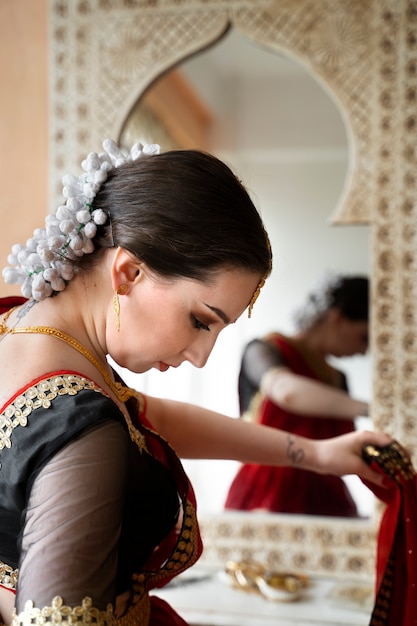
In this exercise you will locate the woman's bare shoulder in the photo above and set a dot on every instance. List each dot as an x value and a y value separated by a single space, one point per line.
26 358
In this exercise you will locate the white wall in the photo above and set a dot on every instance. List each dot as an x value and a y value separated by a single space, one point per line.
284 137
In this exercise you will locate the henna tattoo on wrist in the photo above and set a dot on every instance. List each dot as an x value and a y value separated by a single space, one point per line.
296 455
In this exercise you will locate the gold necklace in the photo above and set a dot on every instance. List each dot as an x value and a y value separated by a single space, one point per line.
121 392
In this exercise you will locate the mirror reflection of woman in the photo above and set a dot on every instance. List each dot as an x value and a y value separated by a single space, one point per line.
149 258
287 382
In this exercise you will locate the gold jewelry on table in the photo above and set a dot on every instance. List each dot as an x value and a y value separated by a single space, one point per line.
116 303
121 392
254 577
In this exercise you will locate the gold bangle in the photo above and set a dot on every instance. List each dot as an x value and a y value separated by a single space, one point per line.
254 577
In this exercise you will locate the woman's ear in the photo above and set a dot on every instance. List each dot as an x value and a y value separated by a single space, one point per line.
335 315
125 268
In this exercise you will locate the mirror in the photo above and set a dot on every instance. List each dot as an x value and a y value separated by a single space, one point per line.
103 55
270 120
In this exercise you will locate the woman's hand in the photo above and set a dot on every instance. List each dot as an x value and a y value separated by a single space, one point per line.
343 455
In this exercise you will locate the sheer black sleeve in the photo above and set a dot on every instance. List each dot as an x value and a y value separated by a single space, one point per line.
73 522
259 356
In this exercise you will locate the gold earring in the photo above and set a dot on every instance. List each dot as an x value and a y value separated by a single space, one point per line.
116 304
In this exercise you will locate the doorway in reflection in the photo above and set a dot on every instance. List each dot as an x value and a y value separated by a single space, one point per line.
284 136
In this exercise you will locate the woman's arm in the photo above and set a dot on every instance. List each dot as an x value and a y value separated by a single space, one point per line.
309 397
199 433
265 368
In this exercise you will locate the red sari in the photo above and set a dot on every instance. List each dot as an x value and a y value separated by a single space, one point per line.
396 567
288 489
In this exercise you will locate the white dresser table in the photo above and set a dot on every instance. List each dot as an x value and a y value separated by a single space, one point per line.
203 599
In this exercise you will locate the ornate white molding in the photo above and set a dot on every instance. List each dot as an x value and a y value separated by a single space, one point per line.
291 543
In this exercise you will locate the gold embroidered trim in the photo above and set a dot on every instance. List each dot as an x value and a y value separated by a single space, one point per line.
58 613
39 396
8 576
136 436
183 557
42 394
138 614
394 460
186 549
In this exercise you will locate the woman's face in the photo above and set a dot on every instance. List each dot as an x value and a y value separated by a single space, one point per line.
350 338
164 322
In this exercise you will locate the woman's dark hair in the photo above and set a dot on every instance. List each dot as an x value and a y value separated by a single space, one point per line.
185 214
351 296
348 294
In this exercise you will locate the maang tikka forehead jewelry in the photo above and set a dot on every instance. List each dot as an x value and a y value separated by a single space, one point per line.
116 303
262 280
256 294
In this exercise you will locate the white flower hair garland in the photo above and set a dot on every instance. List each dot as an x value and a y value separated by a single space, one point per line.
45 265
318 301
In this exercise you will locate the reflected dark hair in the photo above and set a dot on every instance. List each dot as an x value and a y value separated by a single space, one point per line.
351 297
185 214
348 294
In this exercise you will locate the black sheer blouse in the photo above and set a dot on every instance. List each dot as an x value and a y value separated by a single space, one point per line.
83 508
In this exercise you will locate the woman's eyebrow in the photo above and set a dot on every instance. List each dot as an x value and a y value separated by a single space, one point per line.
219 313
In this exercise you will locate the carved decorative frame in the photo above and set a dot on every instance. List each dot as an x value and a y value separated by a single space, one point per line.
104 53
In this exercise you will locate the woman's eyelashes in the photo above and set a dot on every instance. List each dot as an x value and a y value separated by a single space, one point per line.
198 324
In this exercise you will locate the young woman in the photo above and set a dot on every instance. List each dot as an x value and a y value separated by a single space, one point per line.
287 382
150 257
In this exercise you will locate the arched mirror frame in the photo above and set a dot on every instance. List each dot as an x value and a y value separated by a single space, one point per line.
105 53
